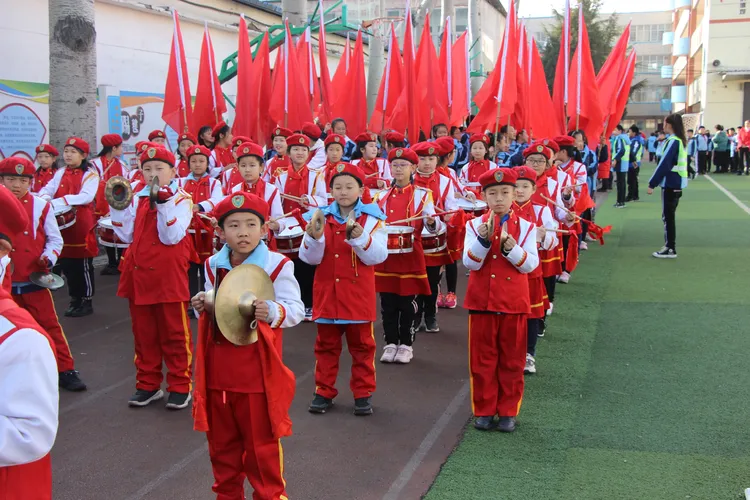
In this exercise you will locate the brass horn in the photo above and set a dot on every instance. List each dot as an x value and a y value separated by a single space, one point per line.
317 223
118 192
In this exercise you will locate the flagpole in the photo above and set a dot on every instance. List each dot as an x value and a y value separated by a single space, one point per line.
287 41
580 59
566 40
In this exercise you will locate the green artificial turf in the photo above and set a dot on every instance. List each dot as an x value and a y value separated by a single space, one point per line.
643 390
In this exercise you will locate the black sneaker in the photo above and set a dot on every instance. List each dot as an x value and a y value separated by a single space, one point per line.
74 304
110 271
506 424
619 205
70 381
484 423
320 404
363 406
431 325
665 253
178 400
85 309
144 398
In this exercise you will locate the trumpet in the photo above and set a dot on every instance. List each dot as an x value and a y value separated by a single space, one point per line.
119 193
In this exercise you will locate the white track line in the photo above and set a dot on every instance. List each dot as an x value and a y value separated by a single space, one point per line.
729 195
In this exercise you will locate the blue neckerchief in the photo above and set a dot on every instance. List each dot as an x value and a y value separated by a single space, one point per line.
257 257
172 185
360 208
191 177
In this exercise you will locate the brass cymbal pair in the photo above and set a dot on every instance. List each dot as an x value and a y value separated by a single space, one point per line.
318 222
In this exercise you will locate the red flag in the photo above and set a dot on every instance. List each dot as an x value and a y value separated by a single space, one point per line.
560 87
433 95
178 110
209 100
520 114
460 86
352 104
390 86
540 101
623 92
598 232
307 69
445 59
261 83
326 89
583 94
244 117
611 73
405 117
289 105
338 84
497 110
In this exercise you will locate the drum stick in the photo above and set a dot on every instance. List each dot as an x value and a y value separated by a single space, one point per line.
561 207
284 216
370 175
447 213
204 216
403 221
560 231
290 197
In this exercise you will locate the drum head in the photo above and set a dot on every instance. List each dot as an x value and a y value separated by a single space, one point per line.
47 280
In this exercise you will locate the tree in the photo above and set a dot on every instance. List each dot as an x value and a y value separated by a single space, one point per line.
603 33
72 70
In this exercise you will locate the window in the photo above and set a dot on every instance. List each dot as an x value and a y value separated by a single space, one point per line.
648 33
462 19
650 94
394 13
436 26
651 63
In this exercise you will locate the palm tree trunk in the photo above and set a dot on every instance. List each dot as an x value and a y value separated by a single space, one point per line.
72 70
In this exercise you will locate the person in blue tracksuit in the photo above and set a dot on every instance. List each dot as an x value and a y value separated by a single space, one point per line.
621 159
587 157
691 153
701 149
671 176
636 150
652 147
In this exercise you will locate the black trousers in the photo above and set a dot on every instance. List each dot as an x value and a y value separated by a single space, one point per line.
566 242
744 159
305 275
451 276
633 183
670 198
651 156
535 326
585 216
398 312
721 160
702 161
80 276
427 304
549 284
621 185
196 278
734 162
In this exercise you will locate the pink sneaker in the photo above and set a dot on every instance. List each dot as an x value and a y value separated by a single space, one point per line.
451 301
441 300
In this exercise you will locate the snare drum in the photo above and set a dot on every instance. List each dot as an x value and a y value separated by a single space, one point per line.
400 239
65 216
434 242
106 234
477 208
289 240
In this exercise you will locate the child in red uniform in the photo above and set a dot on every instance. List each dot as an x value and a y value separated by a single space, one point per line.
37 249
541 216
185 142
479 162
280 161
250 166
497 298
403 276
377 171
154 280
334 145
206 194
76 186
243 393
576 171
344 290
109 165
46 157
158 137
222 157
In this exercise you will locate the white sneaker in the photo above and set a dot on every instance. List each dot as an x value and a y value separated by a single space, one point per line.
551 308
389 353
564 278
308 314
530 364
583 246
665 253
404 354
590 238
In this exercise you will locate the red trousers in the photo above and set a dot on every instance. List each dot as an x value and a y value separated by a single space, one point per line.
32 481
241 444
42 308
497 355
162 333
360 339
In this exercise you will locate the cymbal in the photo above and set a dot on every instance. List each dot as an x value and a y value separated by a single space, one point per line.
233 303
47 280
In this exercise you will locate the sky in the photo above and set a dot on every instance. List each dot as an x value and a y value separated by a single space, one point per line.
541 8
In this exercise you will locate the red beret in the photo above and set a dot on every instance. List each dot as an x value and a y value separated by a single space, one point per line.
403 154
366 137
157 154
215 131
395 137
14 219
142 146
524 172
538 148
79 144
551 144
564 141
198 150
348 169
426 149
311 130
111 140
249 148
156 134
187 136
281 131
238 140
47 148
17 166
498 176
298 140
241 202
479 138
446 145
335 139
